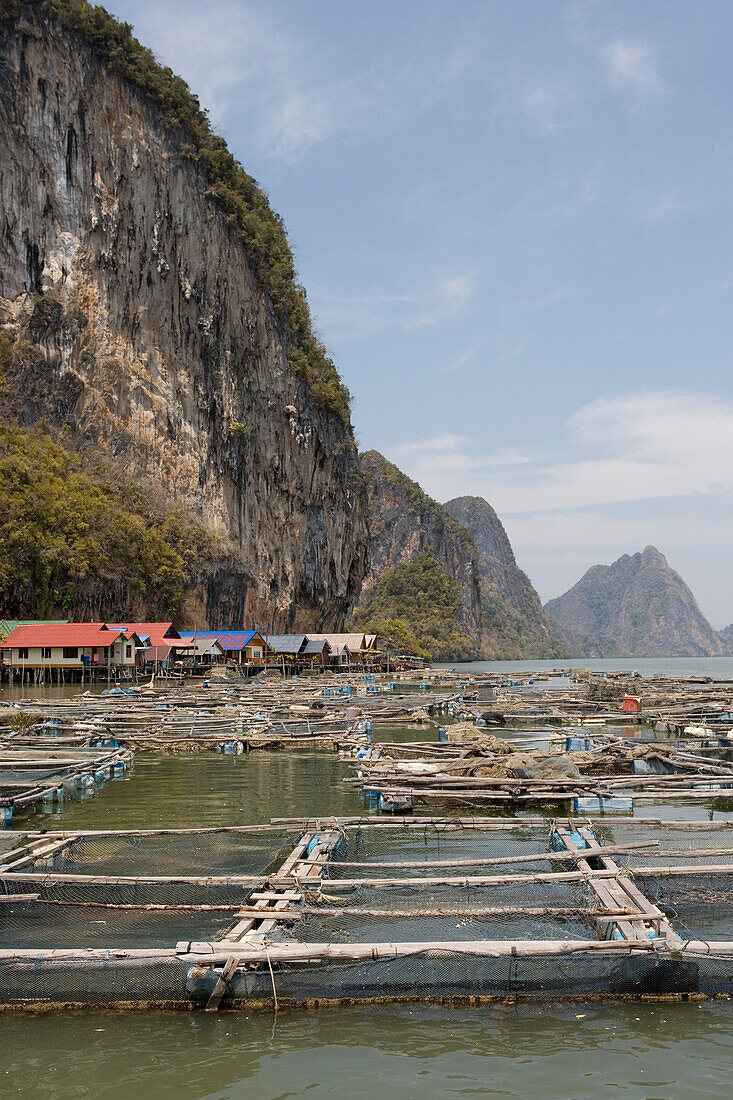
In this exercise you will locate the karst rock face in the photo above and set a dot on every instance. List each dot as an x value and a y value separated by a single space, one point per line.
139 328
406 523
637 607
515 622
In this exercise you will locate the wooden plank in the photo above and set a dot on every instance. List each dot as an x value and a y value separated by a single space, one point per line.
217 993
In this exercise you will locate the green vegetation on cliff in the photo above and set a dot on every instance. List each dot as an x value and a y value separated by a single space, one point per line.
422 597
76 540
416 500
234 190
399 632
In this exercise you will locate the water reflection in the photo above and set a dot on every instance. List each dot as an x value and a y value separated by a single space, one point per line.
552 1051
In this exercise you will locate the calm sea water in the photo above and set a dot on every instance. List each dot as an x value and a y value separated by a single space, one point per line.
716 667
655 1051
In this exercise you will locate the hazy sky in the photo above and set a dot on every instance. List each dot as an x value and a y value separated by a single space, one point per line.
513 220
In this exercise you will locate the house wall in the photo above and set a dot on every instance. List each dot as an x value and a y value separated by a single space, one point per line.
35 659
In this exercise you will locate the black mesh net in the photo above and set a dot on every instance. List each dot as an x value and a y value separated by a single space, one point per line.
89 908
698 904
384 885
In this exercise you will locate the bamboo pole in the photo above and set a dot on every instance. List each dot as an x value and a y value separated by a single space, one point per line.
515 880
537 857
470 914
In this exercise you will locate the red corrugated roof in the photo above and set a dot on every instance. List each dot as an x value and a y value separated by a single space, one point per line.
160 634
81 635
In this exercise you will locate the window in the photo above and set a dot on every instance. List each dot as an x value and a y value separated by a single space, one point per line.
128 651
46 653
256 652
23 653
70 651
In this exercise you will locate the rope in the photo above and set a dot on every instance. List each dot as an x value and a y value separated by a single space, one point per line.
272 976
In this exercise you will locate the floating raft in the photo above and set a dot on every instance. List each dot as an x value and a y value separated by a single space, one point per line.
33 778
604 777
341 910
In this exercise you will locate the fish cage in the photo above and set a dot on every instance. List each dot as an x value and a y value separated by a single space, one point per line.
306 912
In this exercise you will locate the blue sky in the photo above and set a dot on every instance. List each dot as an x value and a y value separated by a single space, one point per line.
513 220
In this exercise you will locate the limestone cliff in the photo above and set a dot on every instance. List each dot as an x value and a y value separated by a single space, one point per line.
637 607
423 565
144 321
514 621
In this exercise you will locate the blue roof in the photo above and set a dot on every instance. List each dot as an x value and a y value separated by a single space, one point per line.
227 639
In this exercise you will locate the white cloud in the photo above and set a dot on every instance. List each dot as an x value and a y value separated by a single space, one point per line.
548 105
459 361
451 465
644 446
244 60
632 67
667 207
431 305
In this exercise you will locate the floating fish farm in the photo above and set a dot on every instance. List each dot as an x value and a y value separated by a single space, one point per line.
370 910
570 895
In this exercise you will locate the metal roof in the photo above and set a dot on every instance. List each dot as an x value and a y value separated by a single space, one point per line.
62 634
315 645
232 640
354 642
160 634
228 639
237 640
286 643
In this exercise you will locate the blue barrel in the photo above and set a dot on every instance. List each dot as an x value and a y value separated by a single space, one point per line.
395 804
608 804
578 744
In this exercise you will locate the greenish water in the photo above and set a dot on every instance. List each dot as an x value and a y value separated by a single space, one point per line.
556 1052
638 1050
716 667
208 789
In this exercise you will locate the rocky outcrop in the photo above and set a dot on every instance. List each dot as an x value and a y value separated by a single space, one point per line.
405 524
514 621
138 327
497 613
636 607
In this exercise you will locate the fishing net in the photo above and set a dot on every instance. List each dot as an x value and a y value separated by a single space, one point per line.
385 885
177 886
367 896
699 905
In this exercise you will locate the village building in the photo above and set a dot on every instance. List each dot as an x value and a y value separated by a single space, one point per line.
162 644
245 647
340 654
286 646
350 649
316 651
206 650
71 646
